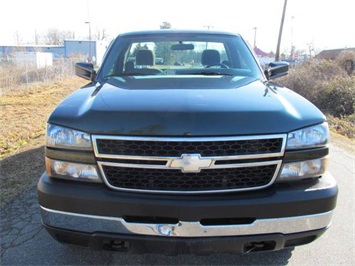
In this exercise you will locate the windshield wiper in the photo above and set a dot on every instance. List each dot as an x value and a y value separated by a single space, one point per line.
209 73
130 74
110 76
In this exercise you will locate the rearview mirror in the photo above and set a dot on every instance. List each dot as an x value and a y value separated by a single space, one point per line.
276 70
182 46
85 70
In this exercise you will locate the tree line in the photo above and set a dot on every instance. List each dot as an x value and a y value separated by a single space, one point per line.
54 36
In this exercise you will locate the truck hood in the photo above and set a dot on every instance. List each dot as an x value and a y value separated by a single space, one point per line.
185 106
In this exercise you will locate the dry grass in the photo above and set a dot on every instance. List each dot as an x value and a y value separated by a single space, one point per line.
22 122
24 114
17 78
344 126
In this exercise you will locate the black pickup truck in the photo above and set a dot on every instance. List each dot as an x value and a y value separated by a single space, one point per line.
180 143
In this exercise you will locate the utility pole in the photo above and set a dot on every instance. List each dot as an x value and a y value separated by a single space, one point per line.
277 55
208 27
36 37
255 28
88 22
292 47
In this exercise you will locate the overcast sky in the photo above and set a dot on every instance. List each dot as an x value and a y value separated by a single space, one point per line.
324 24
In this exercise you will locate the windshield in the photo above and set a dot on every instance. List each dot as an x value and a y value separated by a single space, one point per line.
179 54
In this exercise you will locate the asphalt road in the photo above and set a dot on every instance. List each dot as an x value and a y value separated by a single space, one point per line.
25 242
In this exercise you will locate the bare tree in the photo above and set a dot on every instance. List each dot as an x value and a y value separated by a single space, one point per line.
165 25
101 35
53 37
67 34
57 37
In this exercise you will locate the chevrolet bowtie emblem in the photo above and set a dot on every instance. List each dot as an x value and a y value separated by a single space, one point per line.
190 163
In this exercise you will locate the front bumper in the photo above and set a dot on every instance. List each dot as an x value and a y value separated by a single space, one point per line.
182 245
92 223
286 215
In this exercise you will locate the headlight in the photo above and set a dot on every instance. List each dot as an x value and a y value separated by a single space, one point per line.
72 171
302 170
61 137
310 137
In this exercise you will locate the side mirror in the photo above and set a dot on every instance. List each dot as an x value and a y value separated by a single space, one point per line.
276 70
85 70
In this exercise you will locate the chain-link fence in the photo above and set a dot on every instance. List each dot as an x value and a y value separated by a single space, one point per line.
18 77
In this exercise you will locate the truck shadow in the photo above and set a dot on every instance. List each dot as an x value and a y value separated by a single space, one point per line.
76 254
20 172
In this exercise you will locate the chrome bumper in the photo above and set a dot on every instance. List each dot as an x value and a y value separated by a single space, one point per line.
91 223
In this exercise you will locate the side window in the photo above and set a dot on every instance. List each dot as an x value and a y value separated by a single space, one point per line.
242 63
113 64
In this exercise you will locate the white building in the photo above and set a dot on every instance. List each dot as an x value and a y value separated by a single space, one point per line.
32 59
87 50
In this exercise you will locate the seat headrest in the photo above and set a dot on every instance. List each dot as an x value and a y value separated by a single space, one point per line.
129 66
210 57
144 58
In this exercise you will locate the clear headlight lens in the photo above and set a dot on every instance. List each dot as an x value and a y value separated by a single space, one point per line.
309 137
72 171
302 170
61 137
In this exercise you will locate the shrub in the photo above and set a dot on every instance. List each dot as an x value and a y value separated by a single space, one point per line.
326 84
330 87
339 97
309 77
346 60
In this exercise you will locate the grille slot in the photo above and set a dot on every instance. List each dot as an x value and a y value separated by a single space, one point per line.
176 148
175 180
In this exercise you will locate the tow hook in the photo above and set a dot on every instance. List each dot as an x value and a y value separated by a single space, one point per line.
259 246
114 245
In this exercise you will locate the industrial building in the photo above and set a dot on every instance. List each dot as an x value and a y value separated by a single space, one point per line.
88 50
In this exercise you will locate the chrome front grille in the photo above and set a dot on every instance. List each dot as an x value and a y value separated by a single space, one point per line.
189 165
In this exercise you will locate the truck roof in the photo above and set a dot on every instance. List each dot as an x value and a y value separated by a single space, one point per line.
174 32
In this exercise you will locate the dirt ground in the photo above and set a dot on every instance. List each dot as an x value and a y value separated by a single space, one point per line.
22 122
